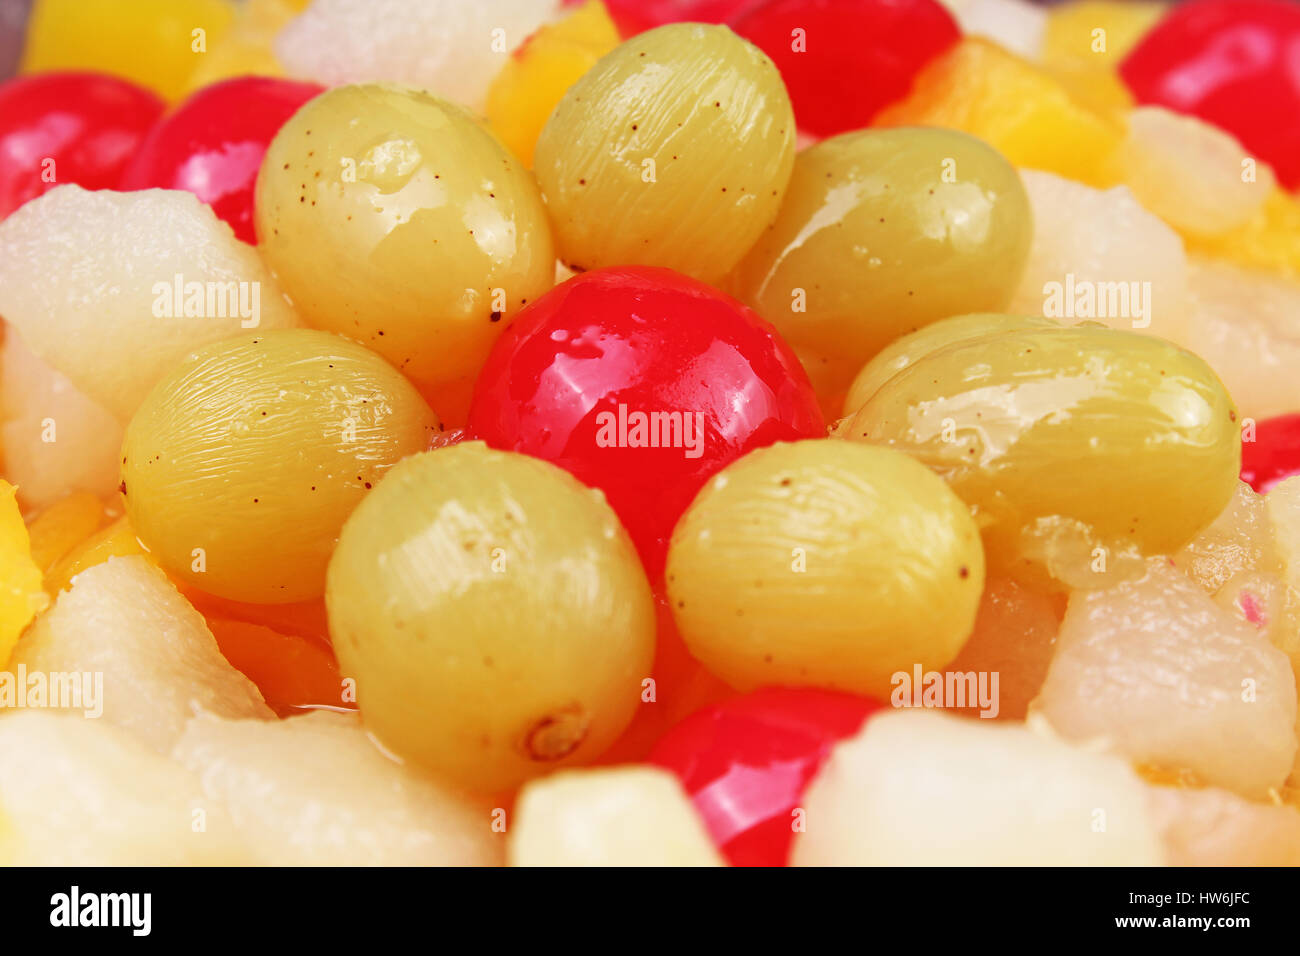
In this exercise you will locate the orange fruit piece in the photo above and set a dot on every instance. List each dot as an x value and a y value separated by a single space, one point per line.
1015 106
292 672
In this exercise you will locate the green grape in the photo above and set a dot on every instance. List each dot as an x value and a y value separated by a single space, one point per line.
1119 439
901 353
673 150
825 563
392 217
885 231
494 615
241 466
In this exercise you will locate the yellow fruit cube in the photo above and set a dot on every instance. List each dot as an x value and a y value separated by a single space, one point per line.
1022 111
64 525
247 48
156 43
1270 240
115 541
540 72
21 595
1085 41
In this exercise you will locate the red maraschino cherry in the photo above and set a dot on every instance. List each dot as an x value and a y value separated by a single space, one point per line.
746 761
845 60
643 383
1234 63
61 127
213 143
1274 454
634 16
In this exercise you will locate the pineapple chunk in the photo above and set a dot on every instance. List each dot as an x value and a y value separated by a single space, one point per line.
917 788
148 651
77 792
620 816
89 280
316 791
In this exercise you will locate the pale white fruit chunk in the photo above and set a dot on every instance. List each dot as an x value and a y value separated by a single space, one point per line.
917 788
77 792
1098 255
1164 676
1283 503
1246 324
316 791
56 440
88 280
452 48
1190 173
1213 827
619 816
1017 25
1283 506
1239 540
149 653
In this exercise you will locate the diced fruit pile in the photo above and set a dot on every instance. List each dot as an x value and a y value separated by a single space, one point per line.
651 432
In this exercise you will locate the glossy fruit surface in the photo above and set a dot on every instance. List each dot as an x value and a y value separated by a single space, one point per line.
643 383
541 70
905 351
78 128
213 143
240 467
1233 63
394 218
884 231
1274 453
673 150
842 60
1075 437
745 763
493 614
824 564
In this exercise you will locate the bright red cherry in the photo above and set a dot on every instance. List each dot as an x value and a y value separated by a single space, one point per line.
844 60
634 16
643 383
746 761
1234 63
212 145
1274 455
68 128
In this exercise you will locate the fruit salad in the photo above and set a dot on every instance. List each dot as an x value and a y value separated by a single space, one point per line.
650 433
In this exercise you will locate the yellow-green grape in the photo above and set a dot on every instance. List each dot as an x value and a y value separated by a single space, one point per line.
885 231
392 217
673 150
494 615
825 563
1082 438
901 353
241 466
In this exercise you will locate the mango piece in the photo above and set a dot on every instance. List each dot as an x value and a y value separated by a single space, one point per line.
21 596
1015 106
539 73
